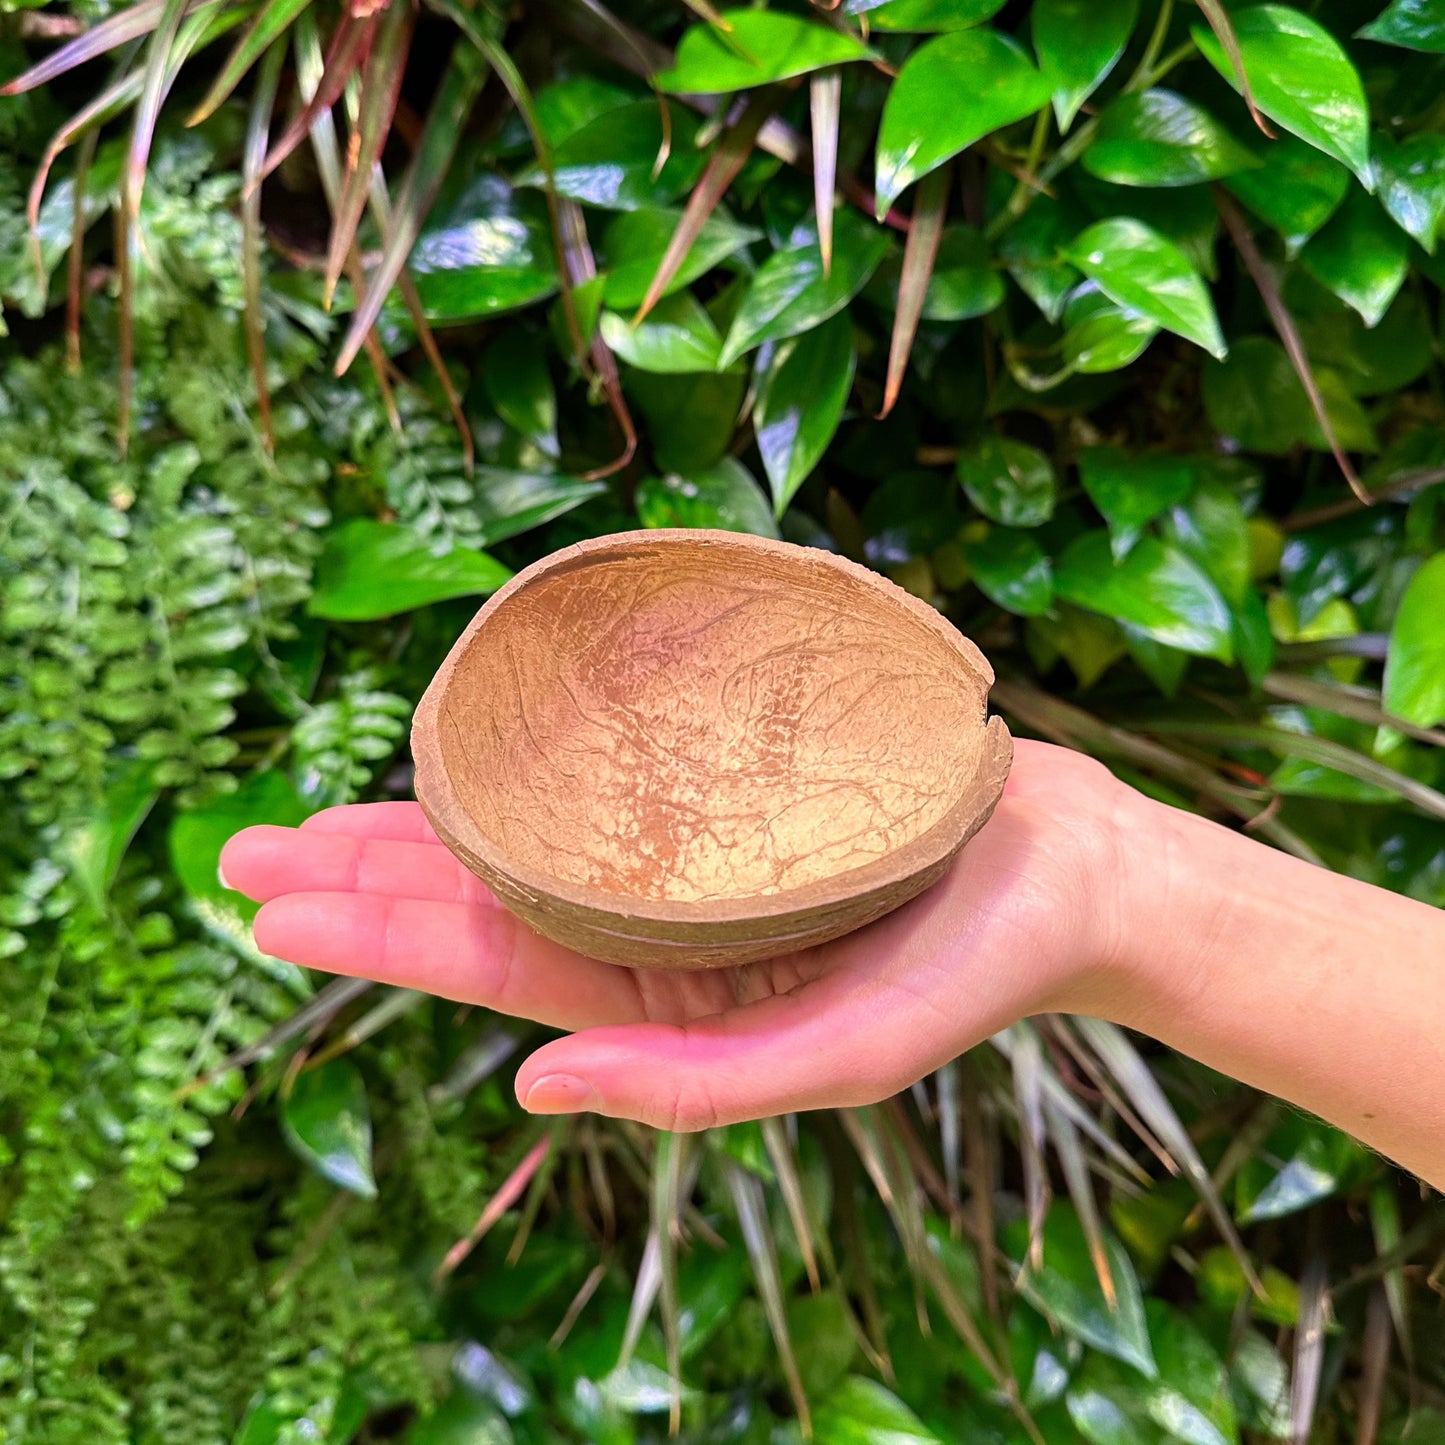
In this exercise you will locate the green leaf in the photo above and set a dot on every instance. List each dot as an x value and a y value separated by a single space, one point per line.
1410 181
1253 638
676 335
1156 588
198 835
369 569
611 161
803 386
489 251
95 847
690 417
1415 666
863 1412
511 502
724 496
1066 1288
917 16
951 92
1302 1162
1360 256
634 243
1078 43
1295 191
1011 569
1090 644
1370 360
1030 248
1131 491
1414 24
461 1419
1136 267
1222 1284
519 385
759 46
327 1122
1009 482
964 282
910 514
1191 1399
1256 398
1301 78
1212 529
1158 138
792 293
1100 335
565 106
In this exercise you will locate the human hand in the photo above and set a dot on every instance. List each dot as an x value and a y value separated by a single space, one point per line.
1028 920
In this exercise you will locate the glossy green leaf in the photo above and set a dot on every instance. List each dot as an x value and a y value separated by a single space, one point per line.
1100 335
1009 482
1370 360
1296 189
327 1122
1067 1289
1256 398
1301 78
759 46
1136 267
1360 256
1011 569
461 1419
1079 42
1156 588
1131 491
910 514
1090 644
792 293
1165 668
1157 138
725 496
1212 529
1414 24
932 15
488 251
863 1412
510 502
676 335
1191 1400
519 386
951 92
96 846
634 244
1302 1162
1415 666
1253 638
964 282
690 417
1410 181
1031 246
803 387
565 106
611 161
1222 1284
370 569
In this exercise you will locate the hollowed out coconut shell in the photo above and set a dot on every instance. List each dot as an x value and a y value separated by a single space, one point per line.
686 749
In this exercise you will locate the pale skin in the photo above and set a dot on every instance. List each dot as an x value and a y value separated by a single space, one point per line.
1080 895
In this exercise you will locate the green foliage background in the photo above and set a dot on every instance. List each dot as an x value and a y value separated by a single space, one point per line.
228 1189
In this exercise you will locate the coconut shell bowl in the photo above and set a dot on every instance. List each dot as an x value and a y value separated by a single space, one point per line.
690 749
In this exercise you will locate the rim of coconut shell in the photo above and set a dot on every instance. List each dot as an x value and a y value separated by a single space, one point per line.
455 826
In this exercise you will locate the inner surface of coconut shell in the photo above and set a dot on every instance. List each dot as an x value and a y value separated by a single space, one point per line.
681 724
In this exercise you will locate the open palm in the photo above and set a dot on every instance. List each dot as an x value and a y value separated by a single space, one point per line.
1014 928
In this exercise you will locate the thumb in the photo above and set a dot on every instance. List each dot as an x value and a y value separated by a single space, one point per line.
780 1055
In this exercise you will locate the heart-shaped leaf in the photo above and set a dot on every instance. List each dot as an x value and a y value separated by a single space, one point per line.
1011 569
1136 267
1414 24
757 47
1415 667
951 92
676 335
1361 256
1410 180
917 16
370 569
724 496
1078 43
327 1122
1156 588
1100 335
1009 482
1157 138
792 292
511 502
1131 491
1301 78
802 390
1296 190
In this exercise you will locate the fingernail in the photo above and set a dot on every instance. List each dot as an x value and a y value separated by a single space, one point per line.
560 1094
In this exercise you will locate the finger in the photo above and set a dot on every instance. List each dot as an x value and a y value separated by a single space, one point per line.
265 861
469 952
400 822
787 1053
